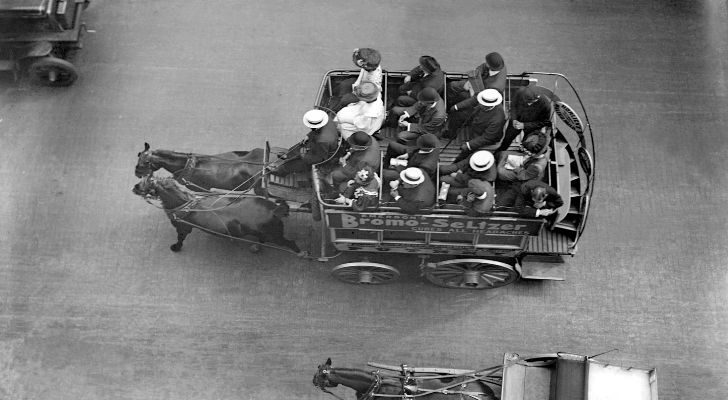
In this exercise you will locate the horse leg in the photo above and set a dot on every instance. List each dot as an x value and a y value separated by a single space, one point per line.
239 230
182 232
273 232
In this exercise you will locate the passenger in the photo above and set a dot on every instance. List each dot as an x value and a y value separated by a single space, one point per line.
482 126
530 112
490 75
363 149
321 144
362 192
427 74
369 61
428 115
478 198
455 177
414 191
425 156
528 163
366 115
535 199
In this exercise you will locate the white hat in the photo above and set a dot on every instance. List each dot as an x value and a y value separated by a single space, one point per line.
490 97
413 176
481 160
315 118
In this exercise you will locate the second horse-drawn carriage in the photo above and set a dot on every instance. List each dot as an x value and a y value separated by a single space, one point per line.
559 376
38 37
455 250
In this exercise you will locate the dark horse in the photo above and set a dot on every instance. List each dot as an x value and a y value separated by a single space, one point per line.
228 216
235 170
368 385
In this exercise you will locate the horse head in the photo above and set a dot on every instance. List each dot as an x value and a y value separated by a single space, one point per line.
145 164
169 191
147 187
321 378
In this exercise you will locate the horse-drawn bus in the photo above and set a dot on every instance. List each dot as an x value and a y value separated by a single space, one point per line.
456 250
558 376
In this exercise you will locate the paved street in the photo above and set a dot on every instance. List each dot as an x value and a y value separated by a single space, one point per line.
94 305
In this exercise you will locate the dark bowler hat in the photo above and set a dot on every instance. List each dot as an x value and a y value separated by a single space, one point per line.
428 94
495 61
429 64
428 141
529 95
359 140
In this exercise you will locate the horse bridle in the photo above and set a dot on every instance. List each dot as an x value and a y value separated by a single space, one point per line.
322 386
368 395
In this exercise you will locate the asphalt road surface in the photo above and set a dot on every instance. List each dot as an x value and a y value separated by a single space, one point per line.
93 305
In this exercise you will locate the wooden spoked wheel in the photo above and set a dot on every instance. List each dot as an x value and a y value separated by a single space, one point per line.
365 273
471 273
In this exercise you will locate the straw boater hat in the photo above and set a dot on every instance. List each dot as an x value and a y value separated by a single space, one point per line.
481 160
315 119
490 98
412 175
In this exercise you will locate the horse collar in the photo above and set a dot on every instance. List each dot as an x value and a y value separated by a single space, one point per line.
190 164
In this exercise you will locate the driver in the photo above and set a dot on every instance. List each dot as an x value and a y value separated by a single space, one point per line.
320 144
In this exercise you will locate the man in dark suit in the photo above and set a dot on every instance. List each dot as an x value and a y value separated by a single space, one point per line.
321 143
415 191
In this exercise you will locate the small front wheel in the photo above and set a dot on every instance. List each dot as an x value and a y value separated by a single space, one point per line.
53 71
365 273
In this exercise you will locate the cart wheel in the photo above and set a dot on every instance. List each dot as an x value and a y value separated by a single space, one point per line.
53 71
471 273
365 272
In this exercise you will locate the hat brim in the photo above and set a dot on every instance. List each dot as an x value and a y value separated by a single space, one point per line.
315 126
496 102
312 125
411 182
479 168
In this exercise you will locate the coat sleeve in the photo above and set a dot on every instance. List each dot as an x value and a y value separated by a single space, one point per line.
409 206
492 134
521 206
434 125
543 118
468 103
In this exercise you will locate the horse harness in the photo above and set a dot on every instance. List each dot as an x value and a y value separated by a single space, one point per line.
409 388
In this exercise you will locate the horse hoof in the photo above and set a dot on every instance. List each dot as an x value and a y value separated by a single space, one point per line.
175 247
254 248
303 254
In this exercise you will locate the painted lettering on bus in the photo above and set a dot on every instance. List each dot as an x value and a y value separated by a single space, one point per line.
437 224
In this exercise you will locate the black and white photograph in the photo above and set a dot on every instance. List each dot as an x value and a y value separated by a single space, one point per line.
319 199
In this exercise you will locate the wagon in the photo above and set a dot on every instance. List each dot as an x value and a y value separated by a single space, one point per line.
456 250
38 37
556 376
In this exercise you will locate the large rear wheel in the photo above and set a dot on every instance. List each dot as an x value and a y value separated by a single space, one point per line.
471 273
365 273
53 71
